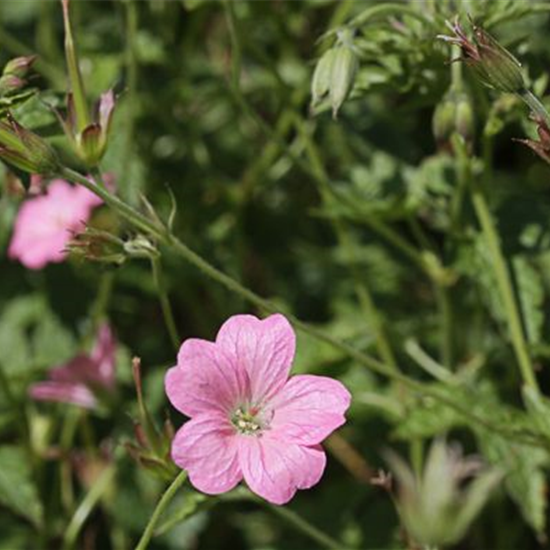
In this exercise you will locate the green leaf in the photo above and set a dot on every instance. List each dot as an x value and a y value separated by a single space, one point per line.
524 477
531 295
17 491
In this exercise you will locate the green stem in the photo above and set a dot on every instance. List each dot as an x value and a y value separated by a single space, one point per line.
160 508
85 508
167 312
446 330
304 526
166 237
235 45
102 299
502 277
77 84
536 106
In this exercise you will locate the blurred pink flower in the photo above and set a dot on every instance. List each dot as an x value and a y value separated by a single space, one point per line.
79 380
248 420
45 223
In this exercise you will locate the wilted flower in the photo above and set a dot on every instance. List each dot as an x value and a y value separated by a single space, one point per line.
85 378
542 146
44 224
88 132
435 509
248 420
24 149
495 64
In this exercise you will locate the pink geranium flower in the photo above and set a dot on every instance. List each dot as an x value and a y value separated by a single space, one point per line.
84 377
45 223
248 420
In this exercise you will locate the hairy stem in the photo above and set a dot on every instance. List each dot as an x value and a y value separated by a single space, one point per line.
164 236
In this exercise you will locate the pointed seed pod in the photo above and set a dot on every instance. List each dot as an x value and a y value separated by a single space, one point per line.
320 83
344 69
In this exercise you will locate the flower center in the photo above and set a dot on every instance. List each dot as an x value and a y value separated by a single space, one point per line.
247 421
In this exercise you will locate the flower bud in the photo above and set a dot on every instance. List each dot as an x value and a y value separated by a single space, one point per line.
10 84
19 66
25 150
495 65
453 114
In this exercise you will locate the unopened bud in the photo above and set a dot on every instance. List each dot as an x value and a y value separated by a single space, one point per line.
454 114
19 66
496 66
25 150
10 84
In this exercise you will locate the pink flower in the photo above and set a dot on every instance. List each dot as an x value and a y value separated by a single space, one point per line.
45 223
248 420
79 380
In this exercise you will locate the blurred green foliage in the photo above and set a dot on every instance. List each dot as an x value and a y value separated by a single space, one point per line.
214 108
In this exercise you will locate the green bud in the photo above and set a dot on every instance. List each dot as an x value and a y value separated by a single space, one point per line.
10 84
26 150
19 66
495 65
464 118
454 114
320 83
342 77
443 122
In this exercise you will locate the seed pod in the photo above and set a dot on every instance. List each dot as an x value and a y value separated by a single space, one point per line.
320 83
344 69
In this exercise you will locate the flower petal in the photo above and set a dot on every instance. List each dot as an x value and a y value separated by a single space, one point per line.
63 392
206 447
264 348
308 409
275 470
205 379
103 356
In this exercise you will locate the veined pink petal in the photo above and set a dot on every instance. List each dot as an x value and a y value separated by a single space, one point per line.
205 379
206 446
45 223
63 392
276 471
308 409
264 348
